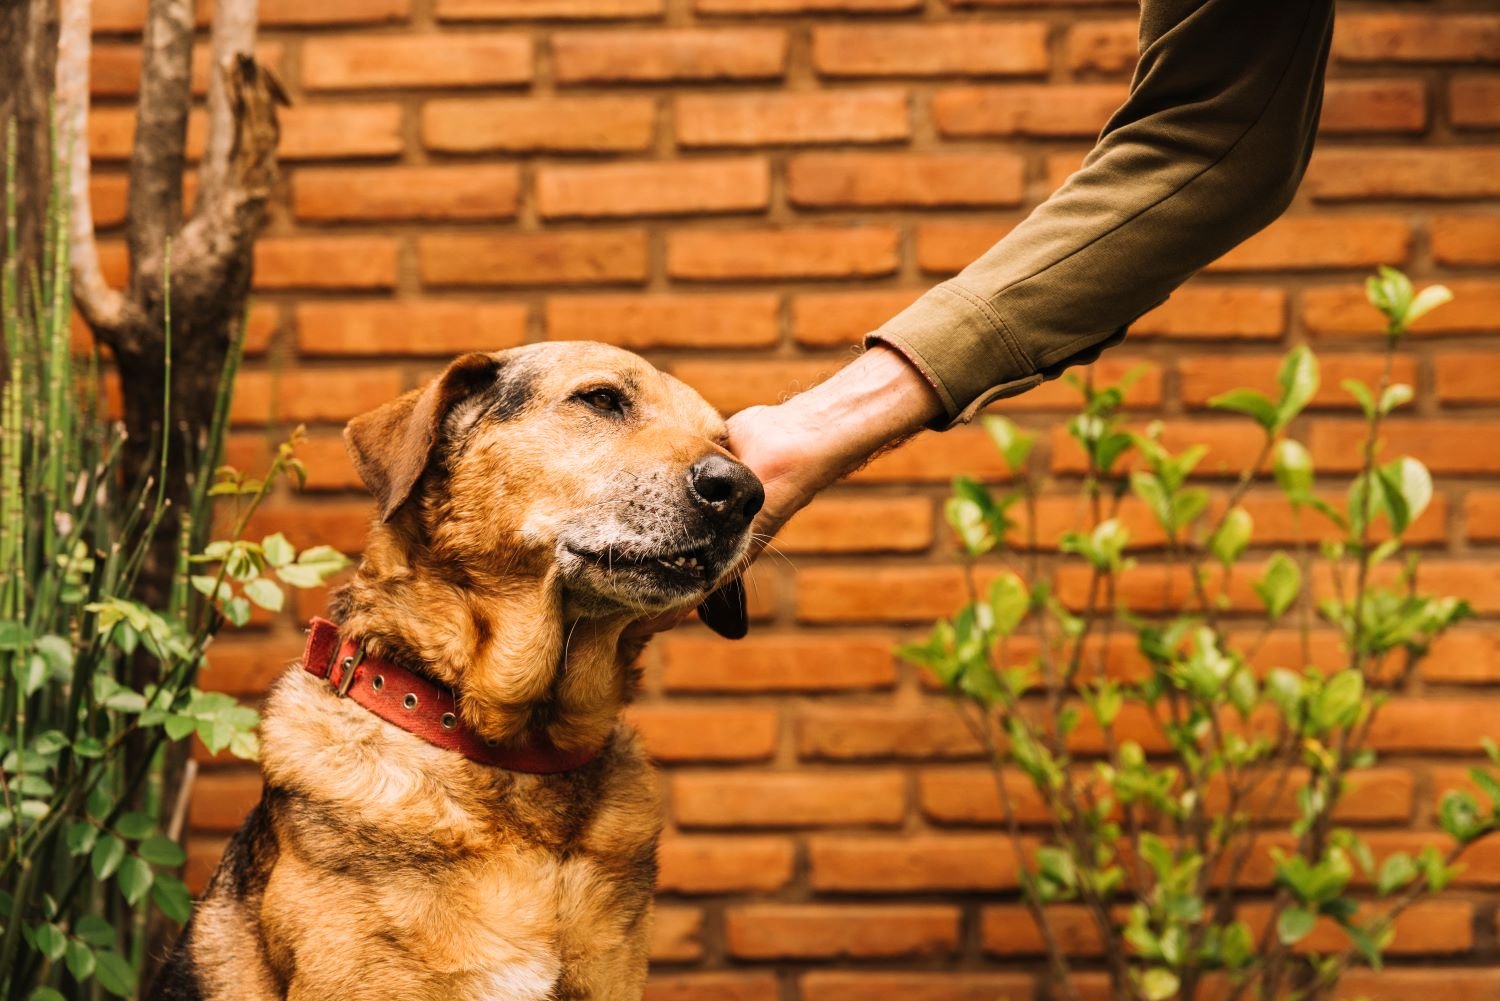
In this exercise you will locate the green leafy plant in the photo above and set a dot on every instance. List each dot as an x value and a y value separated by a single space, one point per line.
88 838
1154 817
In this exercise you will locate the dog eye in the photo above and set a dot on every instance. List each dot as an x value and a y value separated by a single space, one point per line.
606 401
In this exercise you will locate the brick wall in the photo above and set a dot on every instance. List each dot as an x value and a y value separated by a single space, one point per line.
742 188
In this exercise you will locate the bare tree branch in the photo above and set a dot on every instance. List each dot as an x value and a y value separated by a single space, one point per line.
233 35
102 306
158 154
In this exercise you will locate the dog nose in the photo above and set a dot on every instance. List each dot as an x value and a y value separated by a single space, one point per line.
726 487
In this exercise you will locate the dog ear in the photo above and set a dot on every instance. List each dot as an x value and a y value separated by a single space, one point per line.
724 610
393 444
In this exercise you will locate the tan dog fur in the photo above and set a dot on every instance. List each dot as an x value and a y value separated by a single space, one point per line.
378 866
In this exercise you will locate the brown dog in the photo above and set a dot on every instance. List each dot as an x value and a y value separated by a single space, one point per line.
532 503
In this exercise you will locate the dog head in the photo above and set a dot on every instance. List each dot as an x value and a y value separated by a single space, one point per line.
570 461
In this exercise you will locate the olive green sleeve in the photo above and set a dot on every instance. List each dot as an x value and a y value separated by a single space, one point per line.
1209 148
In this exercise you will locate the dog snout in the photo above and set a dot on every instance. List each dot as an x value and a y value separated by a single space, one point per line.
726 488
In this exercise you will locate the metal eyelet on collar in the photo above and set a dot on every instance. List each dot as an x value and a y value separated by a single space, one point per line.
409 701
377 682
449 721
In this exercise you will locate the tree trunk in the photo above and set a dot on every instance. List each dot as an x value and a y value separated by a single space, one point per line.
28 55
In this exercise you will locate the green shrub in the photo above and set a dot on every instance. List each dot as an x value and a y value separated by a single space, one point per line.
1153 841
94 685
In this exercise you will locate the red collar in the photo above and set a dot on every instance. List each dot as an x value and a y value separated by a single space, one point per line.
423 707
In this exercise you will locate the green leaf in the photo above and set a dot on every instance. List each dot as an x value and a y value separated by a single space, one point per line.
80 838
173 898
1009 601
1396 871
1362 393
277 550
1394 396
95 930
237 610
30 672
1292 464
45 994
1014 444
264 592
1153 493
1159 983
58 653
1232 536
1427 300
1294 924
50 941
1340 701
1249 402
80 960
1390 292
108 852
161 850
115 974
1298 380
134 878
1406 490
1460 817
1280 585
133 826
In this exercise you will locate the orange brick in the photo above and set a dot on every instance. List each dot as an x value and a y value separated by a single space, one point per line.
1470 656
1447 725
1060 394
1202 311
328 464
834 319
340 131
1340 310
580 10
827 931
1060 167
845 733
1103 46
724 864
793 252
656 54
246 665
1351 106
1474 101
804 6
713 987
676 934
222 797
360 62
203 854
641 322
770 663
1440 984
854 116
733 386
1010 930
585 258
336 194
1344 174
1202 377
878 594
1467 376
287 262
975 48
912 863
1422 38
947 248
408 327
882 179
788 799
310 394
282 13
949 985
690 733
1465 239
1318 242
937 458
848 525
115 67
688 187
524 124
1027 110
341 524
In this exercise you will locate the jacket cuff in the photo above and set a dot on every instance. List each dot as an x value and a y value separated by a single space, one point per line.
963 348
